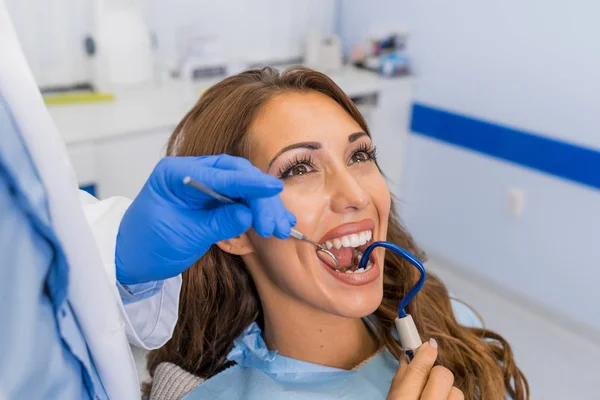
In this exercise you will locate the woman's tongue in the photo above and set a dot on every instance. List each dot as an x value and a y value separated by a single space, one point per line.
344 255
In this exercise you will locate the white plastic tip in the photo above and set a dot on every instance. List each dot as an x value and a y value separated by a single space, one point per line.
408 334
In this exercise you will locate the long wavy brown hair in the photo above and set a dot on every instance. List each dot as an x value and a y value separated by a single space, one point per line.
219 299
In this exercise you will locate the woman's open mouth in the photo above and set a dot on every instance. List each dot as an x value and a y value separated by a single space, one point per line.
348 242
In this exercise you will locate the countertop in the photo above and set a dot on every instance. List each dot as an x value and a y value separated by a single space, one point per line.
164 105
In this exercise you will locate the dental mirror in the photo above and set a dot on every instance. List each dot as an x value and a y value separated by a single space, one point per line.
324 255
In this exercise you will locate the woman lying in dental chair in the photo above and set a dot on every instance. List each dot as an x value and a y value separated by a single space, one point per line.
263 318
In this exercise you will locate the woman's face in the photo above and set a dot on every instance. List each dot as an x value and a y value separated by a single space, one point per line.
338 195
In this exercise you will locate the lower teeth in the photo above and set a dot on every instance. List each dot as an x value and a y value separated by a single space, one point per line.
361 270
357 257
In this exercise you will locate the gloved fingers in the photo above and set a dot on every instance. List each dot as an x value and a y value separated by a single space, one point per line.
230 176
292 218
228 221
233 177
284 219
246 184
271 218
282 227
228 162
220 161
263 219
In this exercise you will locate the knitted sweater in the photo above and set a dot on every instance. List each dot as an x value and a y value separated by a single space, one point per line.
171 382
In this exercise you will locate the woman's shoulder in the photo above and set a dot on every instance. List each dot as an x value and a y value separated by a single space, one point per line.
171 382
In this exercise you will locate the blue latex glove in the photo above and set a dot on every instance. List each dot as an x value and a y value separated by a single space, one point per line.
170 225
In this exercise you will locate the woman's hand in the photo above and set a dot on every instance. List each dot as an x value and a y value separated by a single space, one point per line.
419 379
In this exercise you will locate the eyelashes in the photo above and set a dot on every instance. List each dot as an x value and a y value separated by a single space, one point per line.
303 165
369 150
288 167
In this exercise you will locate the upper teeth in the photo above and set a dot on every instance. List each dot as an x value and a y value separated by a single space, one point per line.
353 240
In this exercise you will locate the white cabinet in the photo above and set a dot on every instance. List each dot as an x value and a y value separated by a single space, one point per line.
123 163
389 125
83 158
387 113
118 166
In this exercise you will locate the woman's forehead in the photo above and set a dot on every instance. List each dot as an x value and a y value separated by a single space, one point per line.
298 117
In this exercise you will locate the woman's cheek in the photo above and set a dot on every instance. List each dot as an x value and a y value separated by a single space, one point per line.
374 183
305 198
381 197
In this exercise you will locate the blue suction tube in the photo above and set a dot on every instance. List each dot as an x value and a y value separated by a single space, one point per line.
408 257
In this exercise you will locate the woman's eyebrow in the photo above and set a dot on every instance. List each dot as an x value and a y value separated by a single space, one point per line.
300 145
355 136
313 145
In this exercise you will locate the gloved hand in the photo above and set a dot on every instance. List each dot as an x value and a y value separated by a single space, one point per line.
170 225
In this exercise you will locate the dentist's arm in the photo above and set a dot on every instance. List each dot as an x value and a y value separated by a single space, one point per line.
151 308
171 225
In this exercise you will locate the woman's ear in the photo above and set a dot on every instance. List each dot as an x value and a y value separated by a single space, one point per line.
238 246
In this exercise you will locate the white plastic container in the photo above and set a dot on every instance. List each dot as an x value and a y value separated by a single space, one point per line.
123 56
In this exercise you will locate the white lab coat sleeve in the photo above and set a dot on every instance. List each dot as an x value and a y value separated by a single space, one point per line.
149 322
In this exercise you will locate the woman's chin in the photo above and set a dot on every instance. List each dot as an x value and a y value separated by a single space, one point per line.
356 298
357 306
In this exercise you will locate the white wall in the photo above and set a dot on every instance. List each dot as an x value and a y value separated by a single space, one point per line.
531 65
52 32
257 30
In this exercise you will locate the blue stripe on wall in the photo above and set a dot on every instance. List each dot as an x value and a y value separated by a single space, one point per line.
564 160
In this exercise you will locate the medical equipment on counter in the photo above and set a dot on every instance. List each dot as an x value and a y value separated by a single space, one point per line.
293 233
407 331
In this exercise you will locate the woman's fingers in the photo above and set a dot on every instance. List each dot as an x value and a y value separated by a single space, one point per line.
419 379
409 382
456 394
439 385
403 366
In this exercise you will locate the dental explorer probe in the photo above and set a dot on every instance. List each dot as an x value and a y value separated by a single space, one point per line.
293 232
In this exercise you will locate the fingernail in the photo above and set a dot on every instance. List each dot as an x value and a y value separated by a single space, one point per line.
433 343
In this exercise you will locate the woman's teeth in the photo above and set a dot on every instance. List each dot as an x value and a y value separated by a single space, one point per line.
353 240
361 270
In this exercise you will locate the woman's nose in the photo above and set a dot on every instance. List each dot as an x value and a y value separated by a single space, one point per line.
347 193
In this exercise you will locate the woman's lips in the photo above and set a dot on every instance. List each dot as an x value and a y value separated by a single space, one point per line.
348 229
346 255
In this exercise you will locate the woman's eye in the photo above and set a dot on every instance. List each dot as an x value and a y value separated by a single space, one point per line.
297 170
360 156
